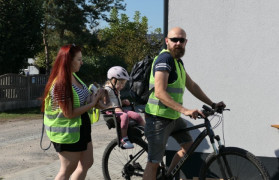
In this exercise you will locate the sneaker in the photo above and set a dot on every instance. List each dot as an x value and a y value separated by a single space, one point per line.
126 143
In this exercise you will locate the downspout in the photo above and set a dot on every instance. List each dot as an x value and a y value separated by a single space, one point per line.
166 18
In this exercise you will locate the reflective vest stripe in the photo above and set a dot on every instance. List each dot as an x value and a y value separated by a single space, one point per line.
156 102
62 129
170 89
53 116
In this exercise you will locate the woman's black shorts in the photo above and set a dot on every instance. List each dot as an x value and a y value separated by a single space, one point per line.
85 138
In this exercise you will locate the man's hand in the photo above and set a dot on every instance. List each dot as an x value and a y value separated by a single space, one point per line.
221 105
193 113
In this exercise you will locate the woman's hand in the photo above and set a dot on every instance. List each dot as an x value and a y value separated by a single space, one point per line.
102 99
101 105
100 93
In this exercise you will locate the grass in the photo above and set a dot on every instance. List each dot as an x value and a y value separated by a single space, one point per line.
28 113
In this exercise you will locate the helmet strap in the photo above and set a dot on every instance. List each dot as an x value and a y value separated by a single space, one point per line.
115 91
113 85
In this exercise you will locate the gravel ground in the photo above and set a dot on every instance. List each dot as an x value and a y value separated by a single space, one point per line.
20 144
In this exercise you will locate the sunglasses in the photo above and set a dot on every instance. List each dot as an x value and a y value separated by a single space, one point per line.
175 40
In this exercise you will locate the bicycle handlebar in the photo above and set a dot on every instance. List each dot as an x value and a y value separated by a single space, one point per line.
207 111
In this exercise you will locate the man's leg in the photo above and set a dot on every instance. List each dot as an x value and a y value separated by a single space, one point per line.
179 154
183 138
150 171
157 133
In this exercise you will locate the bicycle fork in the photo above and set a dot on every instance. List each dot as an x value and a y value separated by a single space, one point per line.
216 150
224 167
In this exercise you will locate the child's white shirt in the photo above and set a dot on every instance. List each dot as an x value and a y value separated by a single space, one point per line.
113 98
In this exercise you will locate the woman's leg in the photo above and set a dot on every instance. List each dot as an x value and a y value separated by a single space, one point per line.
85 162
68 164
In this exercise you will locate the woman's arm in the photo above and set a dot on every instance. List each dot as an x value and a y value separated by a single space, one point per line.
74 112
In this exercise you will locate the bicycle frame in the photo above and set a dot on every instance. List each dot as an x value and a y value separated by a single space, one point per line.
206 132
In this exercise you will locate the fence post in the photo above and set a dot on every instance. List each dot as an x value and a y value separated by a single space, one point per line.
28 90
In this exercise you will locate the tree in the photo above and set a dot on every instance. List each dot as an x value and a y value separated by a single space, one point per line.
20 33
128 40
70 21
94 68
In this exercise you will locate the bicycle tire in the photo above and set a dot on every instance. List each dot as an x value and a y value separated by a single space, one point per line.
115 158
242 164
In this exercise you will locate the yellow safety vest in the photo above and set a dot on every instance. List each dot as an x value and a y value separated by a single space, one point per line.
63 130
176 90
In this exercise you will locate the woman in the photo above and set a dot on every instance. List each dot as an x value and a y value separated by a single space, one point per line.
67 102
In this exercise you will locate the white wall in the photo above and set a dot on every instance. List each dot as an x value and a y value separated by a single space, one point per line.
31 68
233 54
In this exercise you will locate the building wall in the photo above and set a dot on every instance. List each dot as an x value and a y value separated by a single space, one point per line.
232 53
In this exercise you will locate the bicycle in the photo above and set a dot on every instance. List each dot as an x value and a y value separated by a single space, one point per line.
226 163
124 163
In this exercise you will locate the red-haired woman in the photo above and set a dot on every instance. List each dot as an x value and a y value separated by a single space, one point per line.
67 102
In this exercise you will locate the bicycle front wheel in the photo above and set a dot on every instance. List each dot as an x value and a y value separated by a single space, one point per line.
233 164
118 163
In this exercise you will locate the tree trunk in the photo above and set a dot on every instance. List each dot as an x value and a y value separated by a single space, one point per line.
45 40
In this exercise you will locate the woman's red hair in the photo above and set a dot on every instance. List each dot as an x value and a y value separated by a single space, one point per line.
61 73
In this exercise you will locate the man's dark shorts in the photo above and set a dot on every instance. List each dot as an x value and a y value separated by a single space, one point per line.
157 131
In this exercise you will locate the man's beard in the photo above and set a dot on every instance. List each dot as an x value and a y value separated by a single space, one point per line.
177 52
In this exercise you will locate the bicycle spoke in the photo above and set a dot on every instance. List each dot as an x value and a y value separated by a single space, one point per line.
124 163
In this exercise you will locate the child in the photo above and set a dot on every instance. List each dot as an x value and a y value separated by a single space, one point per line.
117 78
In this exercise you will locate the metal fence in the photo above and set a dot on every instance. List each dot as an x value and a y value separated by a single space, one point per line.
19 91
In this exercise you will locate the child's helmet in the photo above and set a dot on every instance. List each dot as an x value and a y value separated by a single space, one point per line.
117 72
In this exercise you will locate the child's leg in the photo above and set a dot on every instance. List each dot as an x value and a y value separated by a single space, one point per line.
124 127
124 122
136 116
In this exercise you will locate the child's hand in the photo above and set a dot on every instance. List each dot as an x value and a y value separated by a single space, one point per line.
126 102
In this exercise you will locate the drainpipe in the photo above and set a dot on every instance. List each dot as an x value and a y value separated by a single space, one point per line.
166 18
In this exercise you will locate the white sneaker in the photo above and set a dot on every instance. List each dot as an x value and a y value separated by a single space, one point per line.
126 143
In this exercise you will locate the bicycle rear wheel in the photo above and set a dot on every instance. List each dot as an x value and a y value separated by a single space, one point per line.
233 164
118 163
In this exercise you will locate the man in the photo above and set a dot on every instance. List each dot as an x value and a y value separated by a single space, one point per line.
164 106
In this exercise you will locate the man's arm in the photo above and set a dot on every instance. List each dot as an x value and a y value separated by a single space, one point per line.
195 89
161 83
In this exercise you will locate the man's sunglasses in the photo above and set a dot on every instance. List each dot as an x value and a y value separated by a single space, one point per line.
175 40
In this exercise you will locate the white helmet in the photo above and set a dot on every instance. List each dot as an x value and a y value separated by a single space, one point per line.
117 72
